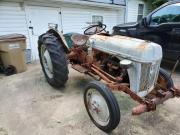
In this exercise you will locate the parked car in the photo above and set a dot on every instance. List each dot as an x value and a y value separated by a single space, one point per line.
161 26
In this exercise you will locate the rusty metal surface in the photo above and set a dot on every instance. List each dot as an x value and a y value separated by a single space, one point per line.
79 39
127 47
78 54
104 77
125 88
79 68
152 104
159 96
176 92
106 74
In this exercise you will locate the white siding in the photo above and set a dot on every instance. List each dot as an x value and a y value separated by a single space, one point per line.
132 10
104 1
74 19
120 2
12 19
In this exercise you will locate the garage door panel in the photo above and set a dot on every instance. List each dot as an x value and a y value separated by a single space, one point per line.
39 19
75 19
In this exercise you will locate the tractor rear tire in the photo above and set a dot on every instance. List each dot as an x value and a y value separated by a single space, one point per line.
53 60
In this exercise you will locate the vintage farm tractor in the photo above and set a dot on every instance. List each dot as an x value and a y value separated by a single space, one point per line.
116 63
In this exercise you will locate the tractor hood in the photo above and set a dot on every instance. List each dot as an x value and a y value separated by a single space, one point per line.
127 47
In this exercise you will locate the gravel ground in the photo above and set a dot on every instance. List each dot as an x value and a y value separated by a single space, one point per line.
29 106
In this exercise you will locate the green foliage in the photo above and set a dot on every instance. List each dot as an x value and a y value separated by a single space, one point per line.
155 3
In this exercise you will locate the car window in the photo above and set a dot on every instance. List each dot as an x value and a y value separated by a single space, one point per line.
170 13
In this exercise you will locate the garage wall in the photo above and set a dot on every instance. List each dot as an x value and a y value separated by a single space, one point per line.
12 19
132 10
74 19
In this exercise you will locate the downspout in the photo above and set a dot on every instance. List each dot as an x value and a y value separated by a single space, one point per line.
126 12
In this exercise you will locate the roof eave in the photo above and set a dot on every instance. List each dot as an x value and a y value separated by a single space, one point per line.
89 3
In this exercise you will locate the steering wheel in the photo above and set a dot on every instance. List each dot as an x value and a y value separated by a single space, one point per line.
95 29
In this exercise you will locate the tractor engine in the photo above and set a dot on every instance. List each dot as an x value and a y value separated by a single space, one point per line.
110 64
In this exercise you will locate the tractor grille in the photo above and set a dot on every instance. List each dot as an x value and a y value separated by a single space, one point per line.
149 74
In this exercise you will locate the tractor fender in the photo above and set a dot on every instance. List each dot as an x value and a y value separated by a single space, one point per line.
61 38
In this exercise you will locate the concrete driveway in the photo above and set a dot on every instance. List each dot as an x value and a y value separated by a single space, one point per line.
29 106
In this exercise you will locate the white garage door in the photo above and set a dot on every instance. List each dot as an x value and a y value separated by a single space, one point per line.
75 19
39 18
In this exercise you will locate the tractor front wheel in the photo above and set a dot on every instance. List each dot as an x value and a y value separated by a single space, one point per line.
53 60
102 106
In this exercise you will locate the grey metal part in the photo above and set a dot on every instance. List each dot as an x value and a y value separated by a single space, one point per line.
146 57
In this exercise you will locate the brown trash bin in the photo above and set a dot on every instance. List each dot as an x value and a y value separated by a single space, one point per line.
12 49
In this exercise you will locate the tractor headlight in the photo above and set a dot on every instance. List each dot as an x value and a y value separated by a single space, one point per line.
125 63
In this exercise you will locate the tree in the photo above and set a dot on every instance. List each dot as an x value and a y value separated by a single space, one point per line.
155 3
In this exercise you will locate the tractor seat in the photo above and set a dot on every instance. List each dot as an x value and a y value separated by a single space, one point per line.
79 39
